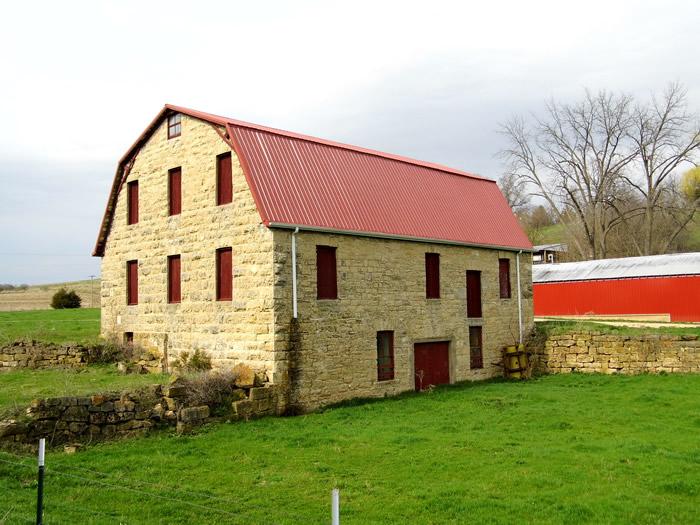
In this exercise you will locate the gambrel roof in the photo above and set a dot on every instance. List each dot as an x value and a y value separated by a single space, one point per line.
316 184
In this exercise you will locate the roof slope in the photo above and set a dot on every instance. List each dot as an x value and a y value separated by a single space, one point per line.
648 266
312 183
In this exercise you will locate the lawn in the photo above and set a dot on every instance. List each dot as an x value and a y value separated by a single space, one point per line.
558 449
56 326
19 387
566 327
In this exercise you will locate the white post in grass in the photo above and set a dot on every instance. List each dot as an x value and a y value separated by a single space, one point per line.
40 485
335 507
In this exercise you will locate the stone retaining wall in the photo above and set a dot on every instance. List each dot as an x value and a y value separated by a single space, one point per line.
112 414
37 354
32 354
589 351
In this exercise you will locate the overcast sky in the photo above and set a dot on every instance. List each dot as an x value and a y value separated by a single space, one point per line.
431 80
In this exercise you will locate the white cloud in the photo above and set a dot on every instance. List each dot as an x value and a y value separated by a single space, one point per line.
431 80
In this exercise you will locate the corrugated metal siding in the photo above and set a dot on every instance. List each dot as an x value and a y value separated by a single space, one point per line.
677 296
652 265
316 184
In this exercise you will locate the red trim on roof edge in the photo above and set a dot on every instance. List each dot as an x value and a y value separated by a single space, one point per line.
119 175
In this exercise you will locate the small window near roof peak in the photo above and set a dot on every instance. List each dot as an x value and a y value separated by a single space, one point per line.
174 126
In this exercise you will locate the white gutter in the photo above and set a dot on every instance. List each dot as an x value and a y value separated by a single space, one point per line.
294 271
520 302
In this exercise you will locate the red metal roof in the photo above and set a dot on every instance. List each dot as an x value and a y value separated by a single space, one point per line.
312 183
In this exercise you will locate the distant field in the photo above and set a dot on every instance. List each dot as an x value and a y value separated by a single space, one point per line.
57 326
38 297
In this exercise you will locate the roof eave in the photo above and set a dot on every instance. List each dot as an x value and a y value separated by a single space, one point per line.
378 235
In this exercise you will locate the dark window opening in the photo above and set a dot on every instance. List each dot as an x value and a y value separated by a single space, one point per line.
132 197
224 274
473 293
326 275
174 125
432 275
174 294
504 278
224 179
175 191
132 282
476 354
385 355
129 338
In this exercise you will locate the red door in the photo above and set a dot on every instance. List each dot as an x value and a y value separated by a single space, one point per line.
431 364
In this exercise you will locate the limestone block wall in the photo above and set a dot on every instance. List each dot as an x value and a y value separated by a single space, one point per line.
124 414
240 330
381 286
589 351
33 354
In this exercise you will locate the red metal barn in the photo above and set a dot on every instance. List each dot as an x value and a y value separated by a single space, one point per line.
658 287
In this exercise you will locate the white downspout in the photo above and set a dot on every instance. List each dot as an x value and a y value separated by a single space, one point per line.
294 271
520 301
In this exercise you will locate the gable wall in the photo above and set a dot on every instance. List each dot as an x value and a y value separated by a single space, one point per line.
237 330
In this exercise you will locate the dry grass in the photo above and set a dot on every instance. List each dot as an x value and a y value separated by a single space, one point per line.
38 297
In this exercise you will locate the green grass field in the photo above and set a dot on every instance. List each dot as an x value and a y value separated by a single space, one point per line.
559 449
569 326
57 326
19 387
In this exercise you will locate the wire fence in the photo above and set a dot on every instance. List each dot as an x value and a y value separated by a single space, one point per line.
73 485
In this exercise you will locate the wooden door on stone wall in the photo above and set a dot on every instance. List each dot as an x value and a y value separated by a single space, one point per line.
431 364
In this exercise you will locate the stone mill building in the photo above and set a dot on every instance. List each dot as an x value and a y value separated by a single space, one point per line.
333 270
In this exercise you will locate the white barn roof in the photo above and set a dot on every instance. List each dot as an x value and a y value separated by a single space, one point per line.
649 266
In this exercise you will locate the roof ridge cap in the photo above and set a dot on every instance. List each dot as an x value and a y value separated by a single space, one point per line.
318 140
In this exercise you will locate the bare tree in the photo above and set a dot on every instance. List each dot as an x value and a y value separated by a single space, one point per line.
667 138
515 192
573 158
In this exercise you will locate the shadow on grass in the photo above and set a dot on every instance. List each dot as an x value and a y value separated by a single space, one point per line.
411 394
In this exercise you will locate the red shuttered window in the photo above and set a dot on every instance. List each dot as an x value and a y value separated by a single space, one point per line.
174 125
174 294
224 179
385 355
326 276
132 204
504 278
132 282
224 274
432 275
175 191
473 293
476 353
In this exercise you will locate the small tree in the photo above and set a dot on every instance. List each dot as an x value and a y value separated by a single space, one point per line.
65 299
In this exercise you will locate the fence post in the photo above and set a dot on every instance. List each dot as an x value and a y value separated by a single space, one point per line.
335 507
40 487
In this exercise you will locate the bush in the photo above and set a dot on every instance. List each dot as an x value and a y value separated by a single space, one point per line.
111 351
216 389
199 361
65 299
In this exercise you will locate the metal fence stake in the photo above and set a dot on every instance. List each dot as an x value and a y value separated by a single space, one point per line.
40 487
